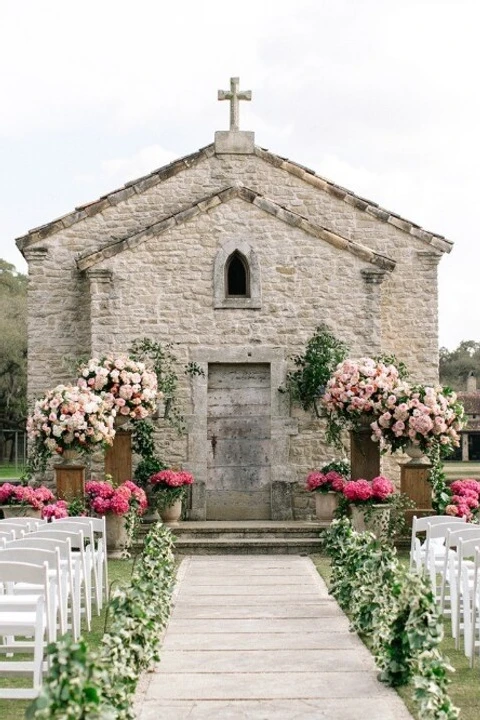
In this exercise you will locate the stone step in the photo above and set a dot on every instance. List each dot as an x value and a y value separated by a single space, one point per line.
252 529
247 546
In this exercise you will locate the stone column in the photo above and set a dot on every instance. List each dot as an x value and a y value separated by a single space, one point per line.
37 321
428 261
101 336
373 278
465 450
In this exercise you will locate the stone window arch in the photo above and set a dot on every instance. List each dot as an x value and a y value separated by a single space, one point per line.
236 277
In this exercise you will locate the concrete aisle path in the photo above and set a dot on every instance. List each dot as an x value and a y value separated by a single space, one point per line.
258 637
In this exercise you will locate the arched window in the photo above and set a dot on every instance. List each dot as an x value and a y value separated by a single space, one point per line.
237 276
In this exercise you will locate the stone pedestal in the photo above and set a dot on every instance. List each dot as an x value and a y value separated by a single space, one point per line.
414 483
70 481
364 455
118 458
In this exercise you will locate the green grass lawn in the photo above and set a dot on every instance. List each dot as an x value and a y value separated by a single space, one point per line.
10 472
119 573
465 683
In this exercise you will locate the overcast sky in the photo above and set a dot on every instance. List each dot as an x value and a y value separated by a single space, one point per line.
380 96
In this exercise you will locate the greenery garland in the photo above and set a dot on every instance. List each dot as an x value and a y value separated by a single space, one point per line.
83 685
396 611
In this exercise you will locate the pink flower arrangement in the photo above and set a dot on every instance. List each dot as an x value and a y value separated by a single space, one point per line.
103 498
128 388
465 500
421 415
378 490
358 388
25 495
69 417
172 478
325 482
56 510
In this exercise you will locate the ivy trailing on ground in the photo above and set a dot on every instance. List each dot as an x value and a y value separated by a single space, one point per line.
84 685
396 612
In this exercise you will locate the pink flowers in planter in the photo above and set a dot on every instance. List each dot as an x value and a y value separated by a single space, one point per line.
25 495
103 498
172 478
58 510
378 490
325 482
465 500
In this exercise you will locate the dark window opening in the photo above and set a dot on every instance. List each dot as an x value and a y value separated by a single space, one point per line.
237 277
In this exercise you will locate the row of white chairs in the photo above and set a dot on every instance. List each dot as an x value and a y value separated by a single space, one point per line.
448 556
69 554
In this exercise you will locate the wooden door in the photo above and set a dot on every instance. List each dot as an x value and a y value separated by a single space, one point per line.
239 433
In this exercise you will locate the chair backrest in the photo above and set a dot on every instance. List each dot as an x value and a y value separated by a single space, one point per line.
440 530
97 523
36 556
13 572
77 538
421 524
466 533
70 525
467 548
64 546
31 521
18 528
7 535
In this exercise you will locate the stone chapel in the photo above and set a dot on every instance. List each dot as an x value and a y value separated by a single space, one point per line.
234 255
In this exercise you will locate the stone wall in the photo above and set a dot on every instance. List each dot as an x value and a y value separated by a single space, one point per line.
163 287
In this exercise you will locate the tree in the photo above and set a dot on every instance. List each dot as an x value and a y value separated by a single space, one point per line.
13 346
456 365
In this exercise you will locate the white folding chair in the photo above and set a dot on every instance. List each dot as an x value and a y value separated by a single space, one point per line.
434 548
69 596
19 529
475 608
419 525
37 556
464 569
22 615
96 554
470 532
7 536
81 574
29 523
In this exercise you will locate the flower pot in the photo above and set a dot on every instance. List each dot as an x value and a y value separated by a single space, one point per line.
371 518
325 505
117 538
70 457
416 454
121 420
172 514
13 511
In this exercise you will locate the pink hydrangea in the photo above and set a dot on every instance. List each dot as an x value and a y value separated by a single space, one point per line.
103 498
56 510
358 490
172 478
382 488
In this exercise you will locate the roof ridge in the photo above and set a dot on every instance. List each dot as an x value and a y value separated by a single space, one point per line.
114 197
372 208
84 262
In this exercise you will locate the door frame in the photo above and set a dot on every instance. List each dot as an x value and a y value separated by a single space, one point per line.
282 426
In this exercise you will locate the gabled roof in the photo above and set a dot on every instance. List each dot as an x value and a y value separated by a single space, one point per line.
269 206
136 187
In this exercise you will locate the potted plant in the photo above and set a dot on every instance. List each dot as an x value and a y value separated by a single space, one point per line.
19 500
327 484
369 503
127 387
69 419
169 489
122 506
465 499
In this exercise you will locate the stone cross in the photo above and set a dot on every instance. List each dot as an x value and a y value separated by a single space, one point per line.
235 95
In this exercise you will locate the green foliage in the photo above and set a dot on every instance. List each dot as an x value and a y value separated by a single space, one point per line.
13 346
165 366
441 493
340 466
456 365
396 611
322 354
83 685
144 445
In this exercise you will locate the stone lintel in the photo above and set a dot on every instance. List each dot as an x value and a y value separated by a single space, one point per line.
35 254
100 275
234 142
428 258
373 276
